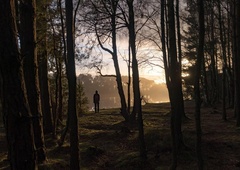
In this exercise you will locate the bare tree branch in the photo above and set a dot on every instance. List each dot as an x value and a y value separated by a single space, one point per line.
99 71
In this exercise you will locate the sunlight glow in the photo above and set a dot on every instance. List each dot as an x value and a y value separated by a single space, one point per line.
149 60
155 73
185 74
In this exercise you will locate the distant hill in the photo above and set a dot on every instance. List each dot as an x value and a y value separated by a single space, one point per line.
107 88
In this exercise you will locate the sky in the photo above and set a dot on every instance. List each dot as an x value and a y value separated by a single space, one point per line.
155 73
151 72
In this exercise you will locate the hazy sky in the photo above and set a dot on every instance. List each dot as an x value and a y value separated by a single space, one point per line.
152 72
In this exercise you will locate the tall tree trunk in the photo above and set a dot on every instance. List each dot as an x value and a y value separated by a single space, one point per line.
55 121
136 89
71 75
163 3
60 92
200 56
61 60
205 82
17 116
224 112
64 133
174 87
129 77
230 58
214 86
43 67
58 85
124 112
29 53
234 53
237 63
114 54
179 50
45 94
224 62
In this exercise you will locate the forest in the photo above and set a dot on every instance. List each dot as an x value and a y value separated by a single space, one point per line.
47 120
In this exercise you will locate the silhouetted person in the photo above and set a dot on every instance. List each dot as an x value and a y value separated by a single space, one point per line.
96 99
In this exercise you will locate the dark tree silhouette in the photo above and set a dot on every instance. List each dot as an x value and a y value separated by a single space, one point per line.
106 12
179 39
174 84
135 76
71 75
17 116
224 62
236 24
43 66
200 56
30 65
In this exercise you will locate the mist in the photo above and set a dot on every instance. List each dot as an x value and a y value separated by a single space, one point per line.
151 92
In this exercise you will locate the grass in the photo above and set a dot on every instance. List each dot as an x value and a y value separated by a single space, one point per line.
107 142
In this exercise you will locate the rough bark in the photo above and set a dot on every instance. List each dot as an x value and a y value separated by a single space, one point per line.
29 54
17 116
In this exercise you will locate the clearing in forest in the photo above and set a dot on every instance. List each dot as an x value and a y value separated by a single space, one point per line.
106 142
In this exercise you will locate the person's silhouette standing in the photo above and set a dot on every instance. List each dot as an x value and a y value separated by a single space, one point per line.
96 99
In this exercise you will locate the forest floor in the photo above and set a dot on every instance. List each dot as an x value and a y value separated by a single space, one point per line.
107 143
